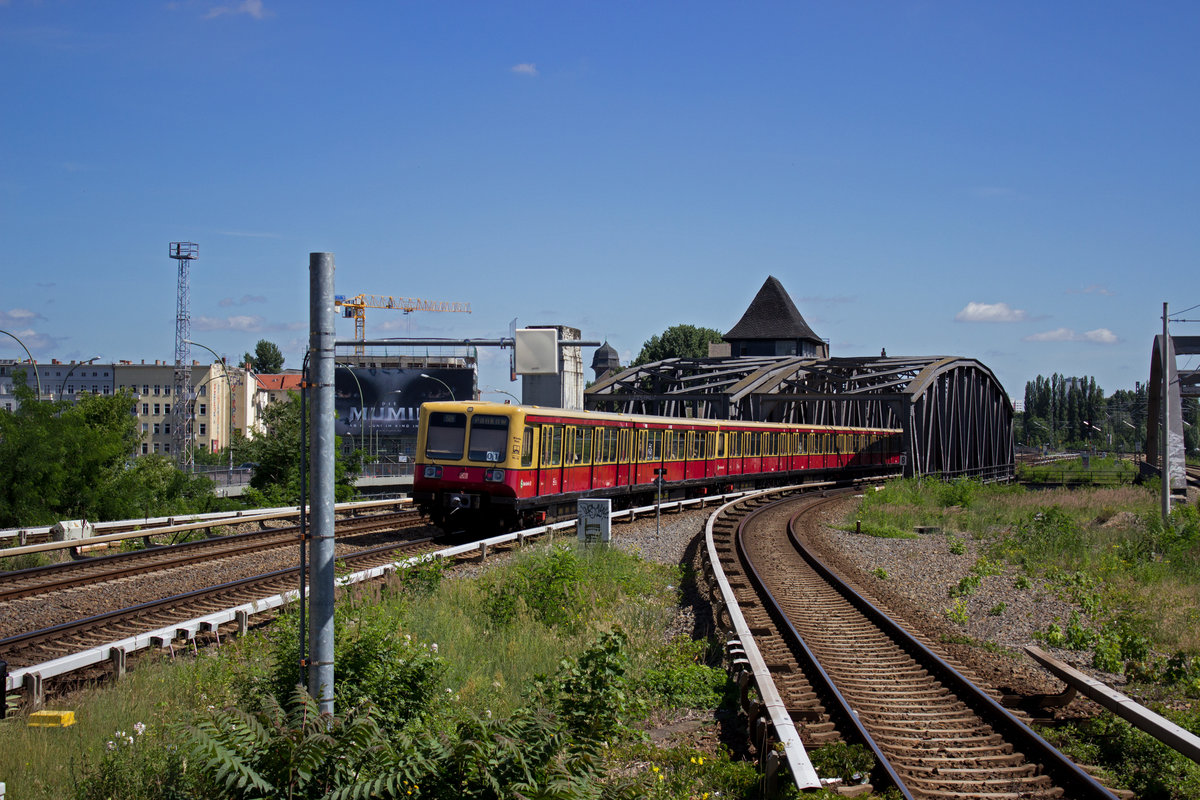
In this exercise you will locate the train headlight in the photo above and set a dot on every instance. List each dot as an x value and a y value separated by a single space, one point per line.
433 471
494 476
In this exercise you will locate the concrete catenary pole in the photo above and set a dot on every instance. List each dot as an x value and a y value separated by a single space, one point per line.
1164 460
321 545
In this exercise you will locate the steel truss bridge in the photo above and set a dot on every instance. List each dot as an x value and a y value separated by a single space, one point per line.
957 418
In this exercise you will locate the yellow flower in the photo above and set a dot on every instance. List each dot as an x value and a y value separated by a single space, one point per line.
701 761
662 777
654 768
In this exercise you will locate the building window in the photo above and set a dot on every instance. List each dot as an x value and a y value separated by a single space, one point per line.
71 389
145 448
166 447
145 389
95 389
167 428
203 429
157 428
145 408
156 447
106 388
157 389
203 409
204 390
145 427
157 408
166 408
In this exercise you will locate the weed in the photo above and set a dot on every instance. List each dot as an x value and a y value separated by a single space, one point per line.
850 762
880 572
1022 582
997 609
958 612
957 546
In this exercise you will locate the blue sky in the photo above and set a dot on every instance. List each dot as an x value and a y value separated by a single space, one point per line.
1015 182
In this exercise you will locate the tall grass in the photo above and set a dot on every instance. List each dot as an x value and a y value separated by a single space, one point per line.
485 664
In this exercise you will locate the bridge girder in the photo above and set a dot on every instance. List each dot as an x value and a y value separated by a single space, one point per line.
956 416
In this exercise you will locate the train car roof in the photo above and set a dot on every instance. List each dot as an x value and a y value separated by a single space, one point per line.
490 407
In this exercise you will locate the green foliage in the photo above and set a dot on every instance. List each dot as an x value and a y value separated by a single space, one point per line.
997 609
850 762
277 451
140 764
1137 761
957 546
966 586
74 460
267 358
547 584
681 773
958 612
679 678
880 573
376 662
591 694
274 753
678 341
1022 582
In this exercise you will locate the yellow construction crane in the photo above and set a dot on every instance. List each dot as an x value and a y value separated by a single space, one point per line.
357 306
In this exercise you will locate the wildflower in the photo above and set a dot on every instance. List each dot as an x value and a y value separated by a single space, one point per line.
433 647
139 728
662 777
111 745
129 740
655 769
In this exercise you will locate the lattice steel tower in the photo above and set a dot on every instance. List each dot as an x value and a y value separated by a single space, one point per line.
181 403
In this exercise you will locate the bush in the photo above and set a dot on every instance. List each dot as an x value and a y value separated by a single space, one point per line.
680 679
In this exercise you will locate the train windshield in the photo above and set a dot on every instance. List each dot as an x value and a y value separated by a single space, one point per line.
489 437
445 436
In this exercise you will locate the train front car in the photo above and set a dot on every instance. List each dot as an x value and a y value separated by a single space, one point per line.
468 464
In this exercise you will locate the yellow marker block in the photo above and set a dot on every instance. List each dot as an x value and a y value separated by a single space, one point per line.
51 719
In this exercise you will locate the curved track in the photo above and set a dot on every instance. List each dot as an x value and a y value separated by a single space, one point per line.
848 672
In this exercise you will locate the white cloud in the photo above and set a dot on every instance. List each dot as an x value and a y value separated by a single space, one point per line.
528 68
1098 336
1101 336
989 312
245 299
1056 335
232 323
18 316
253 8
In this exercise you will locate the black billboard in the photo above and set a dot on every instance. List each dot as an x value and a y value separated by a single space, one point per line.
385 402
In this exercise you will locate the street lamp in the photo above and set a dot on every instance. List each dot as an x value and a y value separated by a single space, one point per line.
442 382
72 369
362 409
229 409
501 391
31 361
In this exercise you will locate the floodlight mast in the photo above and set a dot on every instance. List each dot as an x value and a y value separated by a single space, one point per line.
181 421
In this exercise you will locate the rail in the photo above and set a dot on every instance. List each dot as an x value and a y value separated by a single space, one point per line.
803 773
207 521
31 678
1124 707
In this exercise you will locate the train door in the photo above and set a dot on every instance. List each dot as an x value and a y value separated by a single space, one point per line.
527 479
550 468
624 456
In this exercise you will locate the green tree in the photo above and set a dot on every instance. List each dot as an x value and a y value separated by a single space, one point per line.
267 358
277 452
74 460
678 341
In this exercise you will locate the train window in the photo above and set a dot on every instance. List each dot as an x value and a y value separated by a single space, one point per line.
735 444
582 449
654 445
489 438
445 436
675 440
624 441
552 436
697 449
527 447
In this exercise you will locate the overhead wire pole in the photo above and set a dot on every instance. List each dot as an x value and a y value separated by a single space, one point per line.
321 498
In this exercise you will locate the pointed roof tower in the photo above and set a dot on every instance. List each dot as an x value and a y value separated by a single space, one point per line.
772 326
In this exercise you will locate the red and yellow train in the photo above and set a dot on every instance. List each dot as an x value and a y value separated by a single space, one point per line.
504 465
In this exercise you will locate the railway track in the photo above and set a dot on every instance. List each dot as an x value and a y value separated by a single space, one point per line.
98 569
846 672
45 644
